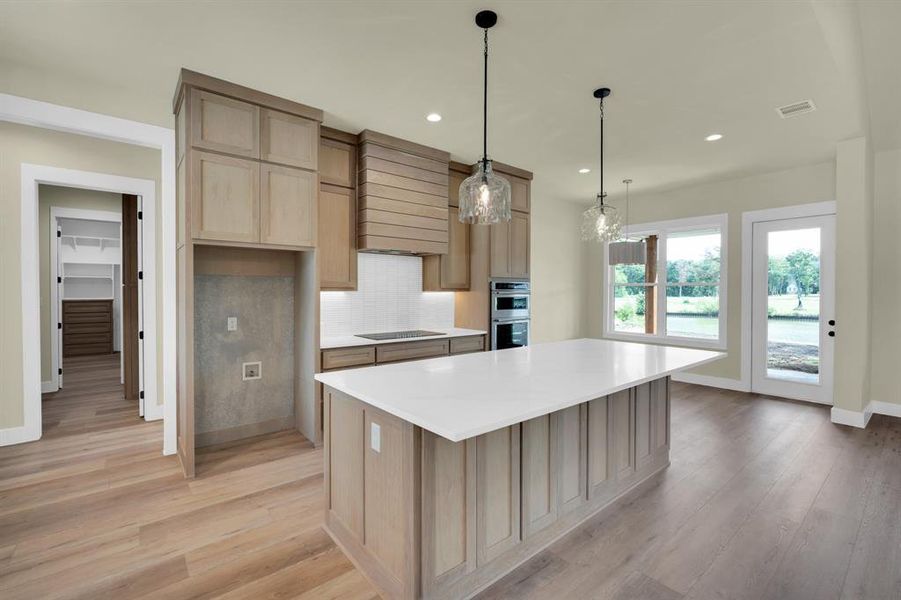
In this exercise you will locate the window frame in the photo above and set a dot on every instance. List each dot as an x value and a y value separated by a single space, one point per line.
663 230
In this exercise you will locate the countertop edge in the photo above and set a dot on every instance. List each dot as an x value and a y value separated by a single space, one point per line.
519 418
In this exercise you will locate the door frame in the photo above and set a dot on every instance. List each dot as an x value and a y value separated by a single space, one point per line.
820 392
748 219
57 213
35 113
31 177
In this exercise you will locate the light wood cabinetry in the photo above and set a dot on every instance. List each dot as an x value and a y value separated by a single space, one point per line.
224 124
225 198
412 350
288 139
337 210
497 493
246 176
451 271
403 196
358 356
510 247
288 206
486 504
464 345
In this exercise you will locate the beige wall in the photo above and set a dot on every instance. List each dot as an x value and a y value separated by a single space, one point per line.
557 271
802 185
21 144
55 196
885 339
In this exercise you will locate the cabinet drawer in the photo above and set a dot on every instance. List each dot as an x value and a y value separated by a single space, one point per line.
86 306
341 358
70 319
462 345
84 349
104 326
74 339
412 350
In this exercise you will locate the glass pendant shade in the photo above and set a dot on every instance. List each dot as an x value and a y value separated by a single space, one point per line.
485 197
601 223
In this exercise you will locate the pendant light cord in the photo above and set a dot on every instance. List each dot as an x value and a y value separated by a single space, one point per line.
485 109
601 175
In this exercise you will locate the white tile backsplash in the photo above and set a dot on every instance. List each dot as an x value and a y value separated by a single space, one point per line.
389 297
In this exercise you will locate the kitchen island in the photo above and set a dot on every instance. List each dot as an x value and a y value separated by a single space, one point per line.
443 475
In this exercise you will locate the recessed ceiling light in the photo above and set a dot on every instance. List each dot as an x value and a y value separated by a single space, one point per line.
714 137
583 171
433 117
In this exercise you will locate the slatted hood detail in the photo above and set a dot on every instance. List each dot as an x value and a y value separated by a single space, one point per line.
403 196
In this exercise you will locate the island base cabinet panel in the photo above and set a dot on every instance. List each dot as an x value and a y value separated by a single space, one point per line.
497 493
448 511
424 517
372 492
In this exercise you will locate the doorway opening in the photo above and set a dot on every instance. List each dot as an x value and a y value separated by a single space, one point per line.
792 304
91 301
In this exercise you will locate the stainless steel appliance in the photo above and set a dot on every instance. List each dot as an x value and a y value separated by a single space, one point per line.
510 312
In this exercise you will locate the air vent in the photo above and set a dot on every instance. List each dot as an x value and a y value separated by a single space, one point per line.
795 109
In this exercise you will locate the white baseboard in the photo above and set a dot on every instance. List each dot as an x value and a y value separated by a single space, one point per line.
47 386
853 418
710 381
890 409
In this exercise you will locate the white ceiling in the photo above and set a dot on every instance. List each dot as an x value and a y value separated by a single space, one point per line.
679 70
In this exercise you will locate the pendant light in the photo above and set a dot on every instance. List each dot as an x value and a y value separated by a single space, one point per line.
628 251
484 196
601 222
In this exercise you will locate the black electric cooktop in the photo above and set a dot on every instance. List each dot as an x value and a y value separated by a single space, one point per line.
396 335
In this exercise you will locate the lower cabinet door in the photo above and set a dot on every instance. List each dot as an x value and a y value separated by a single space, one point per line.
497 493
288 206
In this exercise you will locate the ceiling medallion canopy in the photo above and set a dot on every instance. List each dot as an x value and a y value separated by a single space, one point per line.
485 196
601 222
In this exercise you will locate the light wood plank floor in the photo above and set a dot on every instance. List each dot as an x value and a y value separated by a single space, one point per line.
764 499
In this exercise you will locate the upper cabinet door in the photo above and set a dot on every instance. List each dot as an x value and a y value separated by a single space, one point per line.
288 206
225 198
337 163
499 259
337 238
225 125
289 139
519 245
519 193
455 264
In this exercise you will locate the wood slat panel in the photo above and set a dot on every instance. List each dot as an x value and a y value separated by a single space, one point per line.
412 233
402 207
394 193
386 166
406 147
391 218
375 242
404 183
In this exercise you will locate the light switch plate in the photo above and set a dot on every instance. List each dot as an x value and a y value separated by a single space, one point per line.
375 437
251 370
233 323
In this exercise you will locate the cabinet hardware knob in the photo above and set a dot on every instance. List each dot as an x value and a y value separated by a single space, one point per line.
831 334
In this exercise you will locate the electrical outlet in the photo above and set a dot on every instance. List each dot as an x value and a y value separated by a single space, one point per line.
375 437
233 323
252 370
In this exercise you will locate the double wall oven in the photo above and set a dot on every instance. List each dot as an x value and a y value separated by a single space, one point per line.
510 310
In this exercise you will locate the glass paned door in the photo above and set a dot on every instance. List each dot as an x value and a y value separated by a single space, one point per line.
793 307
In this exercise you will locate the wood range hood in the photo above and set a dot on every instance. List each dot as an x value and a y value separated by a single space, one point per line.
403 190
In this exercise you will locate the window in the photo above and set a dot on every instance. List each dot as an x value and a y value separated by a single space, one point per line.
678 294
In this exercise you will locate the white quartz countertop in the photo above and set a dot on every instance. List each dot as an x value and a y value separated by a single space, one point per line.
346 341
459 397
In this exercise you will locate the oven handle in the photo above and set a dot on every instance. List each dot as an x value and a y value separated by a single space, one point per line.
510 321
